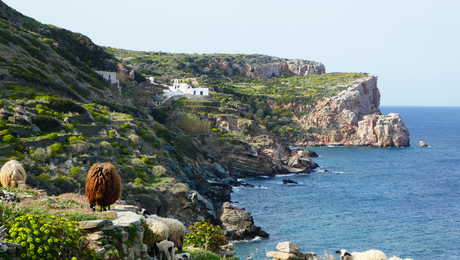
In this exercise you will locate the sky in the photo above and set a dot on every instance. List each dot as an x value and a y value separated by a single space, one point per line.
411 45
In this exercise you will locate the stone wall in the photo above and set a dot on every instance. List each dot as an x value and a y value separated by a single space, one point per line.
121 238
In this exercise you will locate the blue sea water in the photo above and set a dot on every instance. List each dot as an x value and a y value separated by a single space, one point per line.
404 201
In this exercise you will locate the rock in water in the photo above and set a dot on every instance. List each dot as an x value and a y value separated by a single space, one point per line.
288 247
422 143
353 117
288 181
290 251
239 224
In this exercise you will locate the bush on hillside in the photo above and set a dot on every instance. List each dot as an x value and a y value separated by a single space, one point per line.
193 125
47 123
47 237
65 105
206 236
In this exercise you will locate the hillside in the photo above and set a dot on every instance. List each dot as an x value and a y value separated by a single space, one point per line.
180 159
175 65
42 59
57 116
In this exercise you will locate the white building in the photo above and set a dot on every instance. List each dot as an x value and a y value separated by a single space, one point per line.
178 88
109 76
151 79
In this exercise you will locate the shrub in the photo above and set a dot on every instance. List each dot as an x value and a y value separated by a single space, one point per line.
125 126
3 124
5 132
226 135
206 255
112 133
8 139
68 127
65 105
139 181
47 123
134 139
39 155
75 171
54 149
193 125
47 237
51 136
206 236
75 139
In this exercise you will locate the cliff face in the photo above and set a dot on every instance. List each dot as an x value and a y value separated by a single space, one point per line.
353 117
273 68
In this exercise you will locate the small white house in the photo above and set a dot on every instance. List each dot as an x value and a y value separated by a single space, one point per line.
151 80
109 76
178 88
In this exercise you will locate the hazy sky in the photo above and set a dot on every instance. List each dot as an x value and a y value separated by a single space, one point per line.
412 45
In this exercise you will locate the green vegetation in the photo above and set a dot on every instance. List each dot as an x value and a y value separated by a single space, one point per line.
99 112
179 65
206 255
193 125
76 139
64 105
8 139
206 236
50 237
47 123
54 149
284 90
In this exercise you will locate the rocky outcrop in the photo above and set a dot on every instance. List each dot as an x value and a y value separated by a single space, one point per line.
121 238
239 224
353 117
290 251
281 67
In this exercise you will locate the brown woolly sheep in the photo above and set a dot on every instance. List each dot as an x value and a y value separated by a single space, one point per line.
12 174
103 185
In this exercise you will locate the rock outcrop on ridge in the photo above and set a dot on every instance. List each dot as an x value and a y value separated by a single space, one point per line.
353 117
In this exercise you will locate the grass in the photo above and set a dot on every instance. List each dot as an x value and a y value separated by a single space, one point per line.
313 86
72 206
206 255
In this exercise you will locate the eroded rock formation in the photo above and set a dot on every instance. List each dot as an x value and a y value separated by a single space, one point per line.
353 117
239 224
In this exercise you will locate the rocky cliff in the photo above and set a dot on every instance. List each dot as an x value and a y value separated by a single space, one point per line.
272 67
353 117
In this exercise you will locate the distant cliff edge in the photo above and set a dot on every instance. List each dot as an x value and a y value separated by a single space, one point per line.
353 117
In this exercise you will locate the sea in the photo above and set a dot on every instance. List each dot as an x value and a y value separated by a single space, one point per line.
403 201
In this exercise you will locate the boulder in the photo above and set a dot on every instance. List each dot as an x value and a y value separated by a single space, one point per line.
6 196
290 251
239 224
276 255
94 224
288 247
289 181
422 143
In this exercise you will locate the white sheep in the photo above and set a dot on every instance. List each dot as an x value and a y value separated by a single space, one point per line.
176 230
183 256
399 258
159 228
371 254
165 250
12 174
